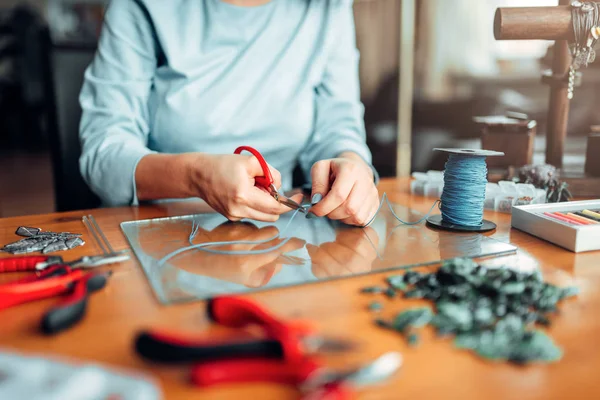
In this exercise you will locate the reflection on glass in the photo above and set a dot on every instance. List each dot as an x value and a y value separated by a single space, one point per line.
318 249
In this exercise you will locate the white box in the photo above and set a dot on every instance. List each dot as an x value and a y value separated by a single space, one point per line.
577 238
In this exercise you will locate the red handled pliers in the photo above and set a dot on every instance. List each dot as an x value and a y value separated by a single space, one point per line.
53 281
267 182
39 263
282 356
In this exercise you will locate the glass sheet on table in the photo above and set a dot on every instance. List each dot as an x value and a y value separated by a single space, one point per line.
319 249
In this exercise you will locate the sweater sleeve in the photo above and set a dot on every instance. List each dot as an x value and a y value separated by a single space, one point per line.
114 98
339 124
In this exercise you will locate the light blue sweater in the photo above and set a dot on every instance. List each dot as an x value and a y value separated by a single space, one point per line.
205 76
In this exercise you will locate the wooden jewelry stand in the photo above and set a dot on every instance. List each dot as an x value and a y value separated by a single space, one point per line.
550 23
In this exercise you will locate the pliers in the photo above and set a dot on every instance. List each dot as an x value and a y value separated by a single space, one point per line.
54 281
289 340
39 263
280 357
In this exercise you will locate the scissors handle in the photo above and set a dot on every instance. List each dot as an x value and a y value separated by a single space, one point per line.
265 181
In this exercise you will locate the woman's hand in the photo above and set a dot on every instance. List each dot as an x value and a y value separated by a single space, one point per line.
343 189
226 183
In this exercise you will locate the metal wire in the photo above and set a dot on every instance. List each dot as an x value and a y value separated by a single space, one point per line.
87 222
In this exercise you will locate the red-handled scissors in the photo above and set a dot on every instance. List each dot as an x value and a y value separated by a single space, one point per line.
267 182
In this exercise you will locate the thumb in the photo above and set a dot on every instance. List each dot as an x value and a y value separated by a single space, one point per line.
320 173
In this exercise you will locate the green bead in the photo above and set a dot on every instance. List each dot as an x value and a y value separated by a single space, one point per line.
372 289
414 294
513 288
397 282
382 323
375 306
569 292
415 317
413 339
390 292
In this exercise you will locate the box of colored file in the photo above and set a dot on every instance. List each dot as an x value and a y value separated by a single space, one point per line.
574 225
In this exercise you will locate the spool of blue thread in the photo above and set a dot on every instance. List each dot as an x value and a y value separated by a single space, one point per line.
465 180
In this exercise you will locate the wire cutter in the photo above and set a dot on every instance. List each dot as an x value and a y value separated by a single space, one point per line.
290 340
266 181
39 263
314 381
54 281
284 356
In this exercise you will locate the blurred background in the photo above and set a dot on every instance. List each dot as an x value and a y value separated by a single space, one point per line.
460 71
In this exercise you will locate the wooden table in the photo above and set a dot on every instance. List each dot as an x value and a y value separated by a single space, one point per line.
432 370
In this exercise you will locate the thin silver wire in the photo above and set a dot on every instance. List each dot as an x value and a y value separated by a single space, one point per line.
90 228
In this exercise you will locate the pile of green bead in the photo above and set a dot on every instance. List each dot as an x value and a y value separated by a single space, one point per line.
490 311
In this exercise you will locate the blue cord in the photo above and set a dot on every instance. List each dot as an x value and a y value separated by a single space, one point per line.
465 180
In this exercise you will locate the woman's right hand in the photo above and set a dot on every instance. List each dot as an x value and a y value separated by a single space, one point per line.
226 183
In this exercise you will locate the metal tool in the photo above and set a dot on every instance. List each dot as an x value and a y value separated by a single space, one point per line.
40 263
280 341
315 381
266 181
55 281
281 358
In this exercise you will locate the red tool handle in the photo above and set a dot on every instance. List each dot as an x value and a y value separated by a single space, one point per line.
332 391
21 264
11 295
56 270
253 370
236 312
264 181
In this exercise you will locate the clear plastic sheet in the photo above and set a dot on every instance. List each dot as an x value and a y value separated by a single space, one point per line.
319 250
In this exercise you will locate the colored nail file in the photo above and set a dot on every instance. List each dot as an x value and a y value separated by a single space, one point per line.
587 216
561 219
591 213
581 219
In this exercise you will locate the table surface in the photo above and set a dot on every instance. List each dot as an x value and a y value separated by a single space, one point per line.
434 369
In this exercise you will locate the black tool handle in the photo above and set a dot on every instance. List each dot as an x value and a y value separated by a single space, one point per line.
73 309
172 348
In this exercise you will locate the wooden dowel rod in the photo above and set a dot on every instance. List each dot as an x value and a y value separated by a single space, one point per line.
533 23
558 110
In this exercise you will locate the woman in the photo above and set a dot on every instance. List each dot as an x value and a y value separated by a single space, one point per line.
177 85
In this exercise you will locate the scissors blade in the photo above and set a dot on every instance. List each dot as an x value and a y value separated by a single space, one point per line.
291 204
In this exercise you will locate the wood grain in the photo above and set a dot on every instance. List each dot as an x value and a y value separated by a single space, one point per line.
433 370
533 23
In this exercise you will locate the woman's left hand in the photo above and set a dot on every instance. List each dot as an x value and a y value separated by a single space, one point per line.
343 189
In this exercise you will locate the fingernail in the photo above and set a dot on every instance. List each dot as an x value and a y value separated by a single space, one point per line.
317 197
